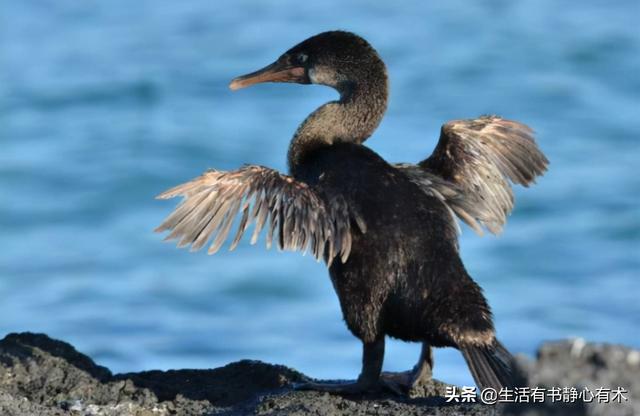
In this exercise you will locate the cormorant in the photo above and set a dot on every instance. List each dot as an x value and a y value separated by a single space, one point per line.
386 231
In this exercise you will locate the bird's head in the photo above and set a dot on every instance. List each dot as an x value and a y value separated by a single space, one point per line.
337 59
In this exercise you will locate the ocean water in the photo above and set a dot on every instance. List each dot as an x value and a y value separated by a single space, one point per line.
105 104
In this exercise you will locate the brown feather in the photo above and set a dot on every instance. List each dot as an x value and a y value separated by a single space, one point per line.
472 165
298 217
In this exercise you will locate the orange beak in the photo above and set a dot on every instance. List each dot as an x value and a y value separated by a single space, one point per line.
276 72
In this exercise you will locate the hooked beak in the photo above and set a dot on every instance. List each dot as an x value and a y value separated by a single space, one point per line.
276 72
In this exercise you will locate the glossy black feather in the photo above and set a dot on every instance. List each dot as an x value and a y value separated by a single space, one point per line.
404 277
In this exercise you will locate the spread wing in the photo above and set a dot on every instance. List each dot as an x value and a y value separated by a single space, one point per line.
293 213
473 164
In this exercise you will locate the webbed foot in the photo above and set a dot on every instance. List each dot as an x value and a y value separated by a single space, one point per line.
368 380
398 383
339 388
404 383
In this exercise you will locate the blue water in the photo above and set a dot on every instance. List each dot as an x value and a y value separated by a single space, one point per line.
105 104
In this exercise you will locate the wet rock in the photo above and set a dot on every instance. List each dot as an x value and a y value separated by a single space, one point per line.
42 376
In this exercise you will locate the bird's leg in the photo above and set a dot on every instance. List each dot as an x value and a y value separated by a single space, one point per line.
402 383
372 357
423 371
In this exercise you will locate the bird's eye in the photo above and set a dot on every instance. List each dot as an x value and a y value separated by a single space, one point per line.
302 58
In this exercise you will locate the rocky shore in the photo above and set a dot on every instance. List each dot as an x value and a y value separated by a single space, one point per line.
45 377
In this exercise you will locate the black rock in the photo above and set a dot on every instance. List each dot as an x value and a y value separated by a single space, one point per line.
42 376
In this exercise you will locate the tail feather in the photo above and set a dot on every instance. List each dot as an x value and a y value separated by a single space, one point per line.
492 366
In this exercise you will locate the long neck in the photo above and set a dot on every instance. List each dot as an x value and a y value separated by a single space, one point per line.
353 118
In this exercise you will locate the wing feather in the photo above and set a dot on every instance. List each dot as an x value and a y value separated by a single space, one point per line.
472 165
244 222
295 215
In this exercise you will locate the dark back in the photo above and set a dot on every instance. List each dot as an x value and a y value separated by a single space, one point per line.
404 274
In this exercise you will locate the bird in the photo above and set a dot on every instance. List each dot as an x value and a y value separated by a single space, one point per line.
387 232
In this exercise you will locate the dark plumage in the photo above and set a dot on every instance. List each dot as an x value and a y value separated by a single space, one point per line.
387 232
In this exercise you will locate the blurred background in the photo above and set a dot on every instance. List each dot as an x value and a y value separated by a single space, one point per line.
105 104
